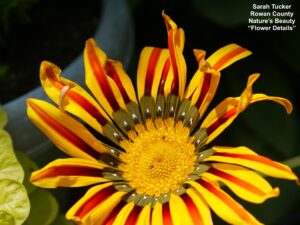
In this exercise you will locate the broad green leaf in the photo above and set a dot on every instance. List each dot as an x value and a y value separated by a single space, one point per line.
3 117
14 200
10 168
28 166
5 139
6 218
61 220
44 208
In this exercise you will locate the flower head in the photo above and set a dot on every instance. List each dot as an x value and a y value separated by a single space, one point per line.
157 166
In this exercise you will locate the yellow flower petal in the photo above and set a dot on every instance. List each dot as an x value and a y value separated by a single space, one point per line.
153 69
99 204
69 172
223 205
179 211
176 44
74 100
245 157
123 214
65 132
227 55
157 217
247 184
198 208
103 80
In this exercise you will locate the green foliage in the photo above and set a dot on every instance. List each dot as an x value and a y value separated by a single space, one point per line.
14 202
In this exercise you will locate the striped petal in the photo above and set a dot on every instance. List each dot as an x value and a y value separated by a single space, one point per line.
175 45
222 204
179 211
71 97
69 172
98 206
225 113
153 70
245 157
237 179
227 55
124 214
197 207
203 85
65 132
106 79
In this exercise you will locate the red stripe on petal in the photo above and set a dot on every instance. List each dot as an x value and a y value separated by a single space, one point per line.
68 171
101 77
242 183
256 158
111 71
133 215
90 108
227 57
151 70
193 211
175 83
113 215
65 132
164 76
94 201
205 89
226 199
84 103
166 214
226 116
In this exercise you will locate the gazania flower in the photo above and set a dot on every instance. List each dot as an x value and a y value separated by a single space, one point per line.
156 165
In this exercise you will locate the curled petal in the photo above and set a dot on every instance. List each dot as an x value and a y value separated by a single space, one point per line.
98 205
64 131
106 79
202 89
70 172
222 204
237 179
176 44
71 97
245 157
225 113
227 55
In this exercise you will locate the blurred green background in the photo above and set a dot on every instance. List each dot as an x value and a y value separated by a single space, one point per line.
34 30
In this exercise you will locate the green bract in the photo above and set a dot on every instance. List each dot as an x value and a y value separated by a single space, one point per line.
13 202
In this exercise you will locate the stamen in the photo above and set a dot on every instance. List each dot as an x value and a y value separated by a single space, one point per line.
62 95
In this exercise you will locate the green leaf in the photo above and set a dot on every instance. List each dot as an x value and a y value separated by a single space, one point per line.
28 166
3 117
61 220
9 165
6 218
14 200
5 139
44 208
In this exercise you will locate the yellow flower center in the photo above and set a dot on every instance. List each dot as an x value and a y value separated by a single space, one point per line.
159 158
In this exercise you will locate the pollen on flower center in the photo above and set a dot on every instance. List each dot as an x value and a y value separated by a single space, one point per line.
159 159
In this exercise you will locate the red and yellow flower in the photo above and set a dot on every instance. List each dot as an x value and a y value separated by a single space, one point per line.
157 166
